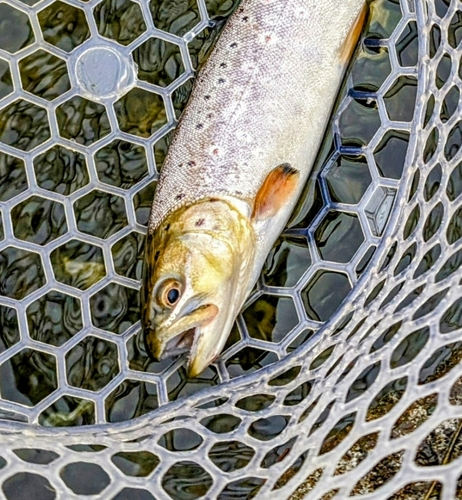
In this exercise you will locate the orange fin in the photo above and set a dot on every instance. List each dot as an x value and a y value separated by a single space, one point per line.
349 46
276 189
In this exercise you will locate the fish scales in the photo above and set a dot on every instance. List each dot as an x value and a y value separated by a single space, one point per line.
238 162
262 99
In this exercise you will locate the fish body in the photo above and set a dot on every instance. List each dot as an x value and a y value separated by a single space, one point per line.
238 162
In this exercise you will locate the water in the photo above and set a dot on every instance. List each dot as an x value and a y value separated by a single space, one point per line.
77 206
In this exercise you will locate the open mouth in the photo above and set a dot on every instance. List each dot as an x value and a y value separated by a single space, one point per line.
179 344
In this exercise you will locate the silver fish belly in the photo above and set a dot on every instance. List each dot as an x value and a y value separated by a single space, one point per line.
262 100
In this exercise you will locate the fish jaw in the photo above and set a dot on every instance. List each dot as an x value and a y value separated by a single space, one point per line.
168 340
206 348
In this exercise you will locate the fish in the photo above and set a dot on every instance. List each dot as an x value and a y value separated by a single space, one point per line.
237 164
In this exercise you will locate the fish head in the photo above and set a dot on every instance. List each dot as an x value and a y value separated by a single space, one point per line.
197 276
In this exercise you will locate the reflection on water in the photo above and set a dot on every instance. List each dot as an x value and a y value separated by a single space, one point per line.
61 170
324 294
15 39
121 164
121 21
131 399
28 377
56 318
10 328
140 113
44 75
78 264
273 315
13 180
21 273
6 83
24 125
100 364
82 120
186 481
115 308
100 214
348 179
63 25
68 411
39 220
287 262
127 255
159 62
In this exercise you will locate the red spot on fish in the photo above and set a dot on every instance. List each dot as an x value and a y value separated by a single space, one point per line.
215 151
200 222
268 38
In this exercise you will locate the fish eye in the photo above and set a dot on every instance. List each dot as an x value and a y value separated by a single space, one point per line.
173 295
169 293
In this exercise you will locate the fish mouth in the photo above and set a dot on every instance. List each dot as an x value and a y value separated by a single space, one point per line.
183 336
180 344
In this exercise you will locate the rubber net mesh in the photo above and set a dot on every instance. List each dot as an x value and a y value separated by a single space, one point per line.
358 397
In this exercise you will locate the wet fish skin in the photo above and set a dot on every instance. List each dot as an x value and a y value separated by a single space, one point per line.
262 100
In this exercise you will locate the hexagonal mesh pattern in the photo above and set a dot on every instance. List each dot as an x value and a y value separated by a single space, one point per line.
368 404
80 149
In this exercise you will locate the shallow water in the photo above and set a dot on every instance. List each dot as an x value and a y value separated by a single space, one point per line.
103 189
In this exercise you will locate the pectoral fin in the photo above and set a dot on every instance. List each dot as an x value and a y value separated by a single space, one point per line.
275 192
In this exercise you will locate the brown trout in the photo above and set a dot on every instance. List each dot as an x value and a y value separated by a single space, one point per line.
238 162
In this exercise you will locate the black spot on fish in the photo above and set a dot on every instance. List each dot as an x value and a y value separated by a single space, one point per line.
210 115
200 222
167 227
221 80
191 163
233 45
199 126
245 18
180 196
223 65
207 97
